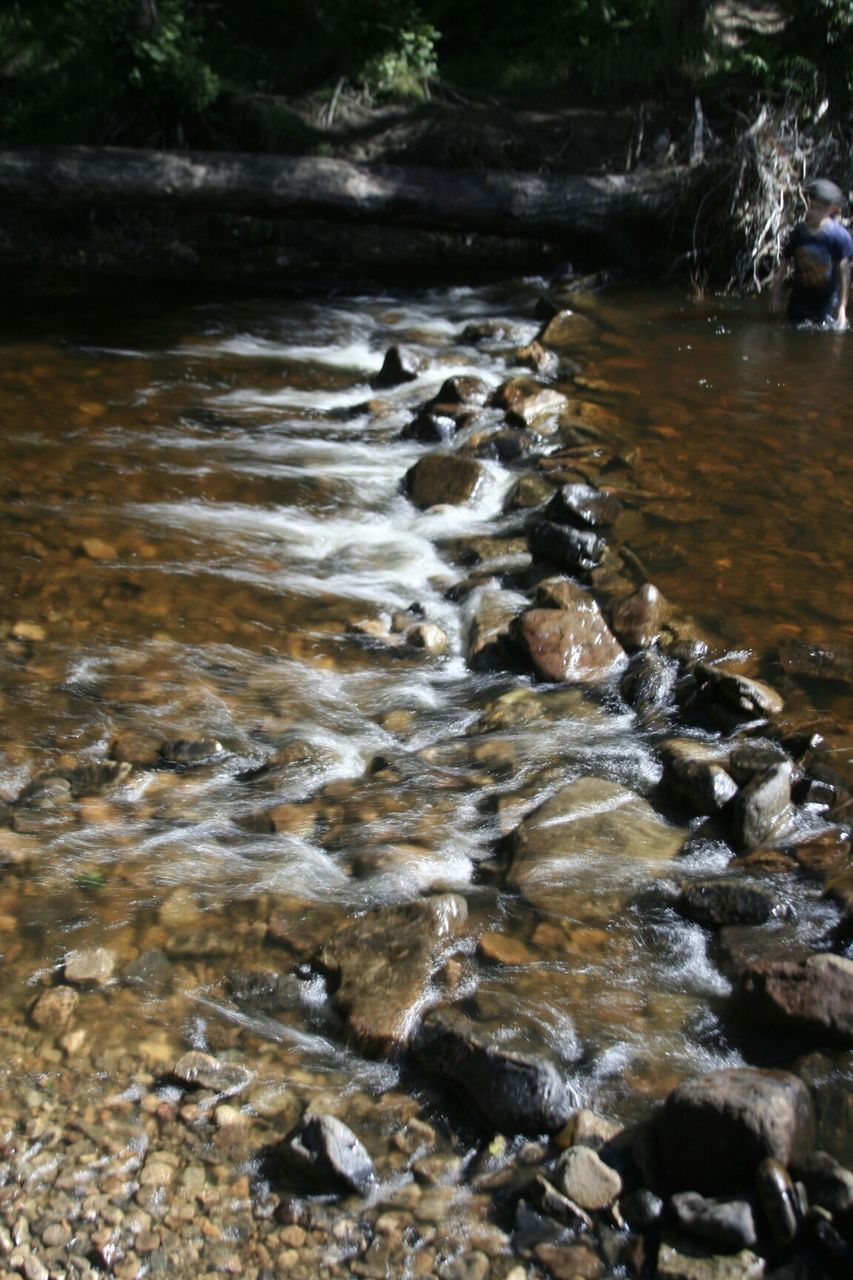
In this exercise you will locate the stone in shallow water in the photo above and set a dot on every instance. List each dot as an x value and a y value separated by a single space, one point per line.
207 1072
190 751
93 966
574 550
442 478
696 776
679 1261
382 964
723 901
728 1224
589 819
55 1008
812 997
639 618
324 1153
569 644
587 1180
583 506
762 809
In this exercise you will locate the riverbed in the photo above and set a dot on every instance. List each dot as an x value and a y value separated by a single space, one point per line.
208 554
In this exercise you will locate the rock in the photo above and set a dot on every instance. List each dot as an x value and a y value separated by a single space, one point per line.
678 1261
552 1202
431 426
762 809
571 549
779 1200
531 410
151 969
324 1153
638 619
587 1180
502 948
725 901
55 1008
727 1224
464 388
806 661
565 329
99 549
695 775
569 645
190 751
812 997
381 965
742 697
641 1209
583 506
427 636
530 490
755 757
492 331
827 1182
569 1261
717 1128
513 1092
488 643
90 967
535 357
590 818
206 1072
265 990
136 748
400 365
442 478
648 683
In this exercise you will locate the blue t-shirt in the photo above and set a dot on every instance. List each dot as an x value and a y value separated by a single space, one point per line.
816 257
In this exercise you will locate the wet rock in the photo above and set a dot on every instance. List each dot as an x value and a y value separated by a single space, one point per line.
695 775
583 506
431 426
740 946
834 1252
716 1129
638 619
641 1209
827 1181
565 329
464 389
488 644
755 757
427 636
401 364
762 809
381 963
55 1008
569 1261
680 1261
726 901
190 751
813 997
727 1224
545 1196
779 1200
326 1155
47 791
204 1071
530 490
136 748
569 645
589 818
442 478
587 1180
492 331
513 1092
89 967
648 683
151 969
530 410
571 549
807 661
265 990
742 698
536 357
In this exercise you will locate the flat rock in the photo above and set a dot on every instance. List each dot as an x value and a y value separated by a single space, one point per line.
442 478
207 1072
812 997
681 1262
324 1153
513 1092
382 963
716 1129
727 1224
742 696
589 819
569 645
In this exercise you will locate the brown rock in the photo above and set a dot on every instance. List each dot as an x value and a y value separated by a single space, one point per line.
572 644
569 1261
488 634
502 949
442 478
55 1008
812 997
639 618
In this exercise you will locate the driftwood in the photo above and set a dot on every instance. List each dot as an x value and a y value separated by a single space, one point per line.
492 202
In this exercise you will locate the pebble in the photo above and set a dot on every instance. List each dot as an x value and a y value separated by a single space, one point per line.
94 966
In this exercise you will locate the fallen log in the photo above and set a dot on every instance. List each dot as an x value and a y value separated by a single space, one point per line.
490 202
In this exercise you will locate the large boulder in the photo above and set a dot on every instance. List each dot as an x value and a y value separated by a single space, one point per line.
513 1092
380 966
716 1129
589 820
811 997
438 478
570 644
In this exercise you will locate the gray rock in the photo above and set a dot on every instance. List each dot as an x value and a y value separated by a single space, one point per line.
762 809
191 751
727 1224
265 990
587 1180
151 969
89 967
442 478
827 1181
750 758
716 1129
812 997
648 683
557 1206
725 901
324 1153
206 1072
513 1092
572 549
569 644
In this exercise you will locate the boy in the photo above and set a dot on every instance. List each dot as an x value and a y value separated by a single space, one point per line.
818 252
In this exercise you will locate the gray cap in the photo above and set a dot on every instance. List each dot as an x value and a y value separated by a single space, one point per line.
825 192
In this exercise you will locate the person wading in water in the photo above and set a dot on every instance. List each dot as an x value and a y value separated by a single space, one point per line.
817 255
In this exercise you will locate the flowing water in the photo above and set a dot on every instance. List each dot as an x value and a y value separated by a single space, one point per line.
195 503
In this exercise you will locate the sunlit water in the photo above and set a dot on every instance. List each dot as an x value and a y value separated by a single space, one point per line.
197 501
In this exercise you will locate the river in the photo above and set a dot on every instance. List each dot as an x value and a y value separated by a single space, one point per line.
197 501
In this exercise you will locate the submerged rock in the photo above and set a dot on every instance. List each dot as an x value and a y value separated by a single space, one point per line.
726 901
513 1092
190 751
326 1155
716 1129
649 683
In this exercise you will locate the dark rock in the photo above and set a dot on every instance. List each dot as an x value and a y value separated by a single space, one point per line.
716 1129
723 901
583 506
381 964
813 997
97 778
325 1154
488 644
648 683
151 969
762 809
190 751
513 1092
755 757
806 661
740 946
530 490
638 619
568 548
464 388
442 478
695 775
641 1209
552 1202
400 365
827 1181
726 1224
266 990
779 1200
492 331
832 1249
431 426
746 699
569 644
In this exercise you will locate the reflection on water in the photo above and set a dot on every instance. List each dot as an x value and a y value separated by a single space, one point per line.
198 501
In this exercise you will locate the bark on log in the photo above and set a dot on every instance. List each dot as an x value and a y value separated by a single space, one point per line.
493 202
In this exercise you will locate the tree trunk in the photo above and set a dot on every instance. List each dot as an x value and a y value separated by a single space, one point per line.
493 202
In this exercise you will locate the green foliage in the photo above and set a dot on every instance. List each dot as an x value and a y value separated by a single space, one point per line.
406 68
